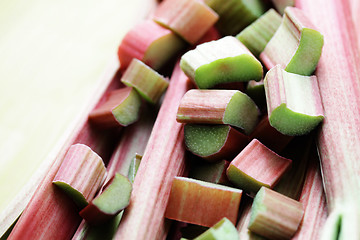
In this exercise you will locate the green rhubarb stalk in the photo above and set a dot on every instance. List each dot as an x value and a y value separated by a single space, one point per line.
163 159
339 139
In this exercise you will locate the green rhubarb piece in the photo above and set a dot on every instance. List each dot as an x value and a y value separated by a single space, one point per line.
150 84
274 215
128 111
134 166
256 91
209 172
258 34
235 15
223 230
222 61
75 195
296 45
293 102
213 142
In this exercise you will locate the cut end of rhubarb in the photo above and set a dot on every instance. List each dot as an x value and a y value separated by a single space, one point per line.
223 230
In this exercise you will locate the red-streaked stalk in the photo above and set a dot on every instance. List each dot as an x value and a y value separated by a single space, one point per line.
355 7
339 138
81 174
163 159
202 203
190 19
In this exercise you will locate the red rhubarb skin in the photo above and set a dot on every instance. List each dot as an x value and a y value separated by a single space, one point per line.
260 163
164 158
138 40
191 19
202 205
339 83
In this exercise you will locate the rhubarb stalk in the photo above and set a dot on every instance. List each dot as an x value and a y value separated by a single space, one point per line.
339 139
163 159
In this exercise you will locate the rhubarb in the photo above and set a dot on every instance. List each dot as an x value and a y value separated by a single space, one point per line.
274 215
149 84
256 166
296 45
202 203
235 15
256 36
293 102
280 5
222 230
214 142
164 158
121 108
190 19
225 60
114 198
150 43
218 107
134 166
256 91
209 172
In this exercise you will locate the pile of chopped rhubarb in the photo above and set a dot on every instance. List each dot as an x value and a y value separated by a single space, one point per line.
216 126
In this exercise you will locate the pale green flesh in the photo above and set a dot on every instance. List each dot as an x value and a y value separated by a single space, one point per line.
292 123
75 195
308 53
116 196
257 207
128 111
242 68
205 140
134 166
244 181
241 112
223 230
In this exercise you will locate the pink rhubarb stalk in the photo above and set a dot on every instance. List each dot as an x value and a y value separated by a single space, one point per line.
339 139
164 158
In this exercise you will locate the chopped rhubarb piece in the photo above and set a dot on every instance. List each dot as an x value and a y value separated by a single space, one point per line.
164 158
149 84
190 19
209 172
257 166
266 134
81 174
222 61
121 108
293 102
296 45
274 215
222 230
134 166
235 15
256 91
110 202
258 34
214 142
218 107
280 5
150 43
202 203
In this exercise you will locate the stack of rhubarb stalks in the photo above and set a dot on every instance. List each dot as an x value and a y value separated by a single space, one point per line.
261 95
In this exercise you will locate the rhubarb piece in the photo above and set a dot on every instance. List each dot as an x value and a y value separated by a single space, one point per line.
293 102
214 142
257 166
266 134
81 174
190 19
164 158
274 215
121 108
296 45
149 84
222 230
202 203
225 60
235 15
150 43
339 140
280 5
209 172
256 91
256 36
110 202
134 166
218 107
